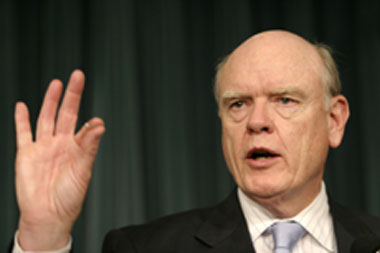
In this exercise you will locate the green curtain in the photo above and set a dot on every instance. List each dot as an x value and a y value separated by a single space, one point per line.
150 67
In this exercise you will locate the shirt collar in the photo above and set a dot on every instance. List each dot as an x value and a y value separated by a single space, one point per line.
315 218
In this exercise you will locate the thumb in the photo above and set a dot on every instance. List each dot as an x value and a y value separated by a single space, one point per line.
88 137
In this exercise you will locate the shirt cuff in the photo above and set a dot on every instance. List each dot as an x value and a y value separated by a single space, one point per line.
17 248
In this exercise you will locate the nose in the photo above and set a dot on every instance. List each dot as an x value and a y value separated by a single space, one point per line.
259 119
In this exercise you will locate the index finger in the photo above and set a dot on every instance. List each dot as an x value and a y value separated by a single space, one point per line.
23 129
68 113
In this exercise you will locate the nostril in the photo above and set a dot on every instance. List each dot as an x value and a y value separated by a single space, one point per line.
258 129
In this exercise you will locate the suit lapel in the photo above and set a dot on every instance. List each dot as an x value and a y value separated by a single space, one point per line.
225 228
347 226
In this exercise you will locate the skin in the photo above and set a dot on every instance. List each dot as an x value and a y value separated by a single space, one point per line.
54 170
271 96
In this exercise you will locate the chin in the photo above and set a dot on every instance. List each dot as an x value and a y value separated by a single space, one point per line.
259 189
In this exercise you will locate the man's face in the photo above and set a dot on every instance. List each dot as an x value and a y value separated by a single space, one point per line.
275 124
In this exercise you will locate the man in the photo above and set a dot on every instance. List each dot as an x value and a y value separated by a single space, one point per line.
280 108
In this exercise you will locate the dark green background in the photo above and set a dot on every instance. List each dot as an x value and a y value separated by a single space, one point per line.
149 67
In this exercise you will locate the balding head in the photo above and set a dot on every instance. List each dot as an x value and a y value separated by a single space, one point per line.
272 44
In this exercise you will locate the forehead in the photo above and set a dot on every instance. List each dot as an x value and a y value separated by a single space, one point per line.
272 61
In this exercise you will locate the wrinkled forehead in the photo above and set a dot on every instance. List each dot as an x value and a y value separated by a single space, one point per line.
273 57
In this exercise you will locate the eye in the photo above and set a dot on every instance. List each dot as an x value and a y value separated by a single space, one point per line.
237 104
287 106
286 100
237 109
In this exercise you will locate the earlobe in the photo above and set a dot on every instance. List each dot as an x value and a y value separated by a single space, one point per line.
339 113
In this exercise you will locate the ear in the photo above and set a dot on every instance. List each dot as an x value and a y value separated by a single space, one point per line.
338 115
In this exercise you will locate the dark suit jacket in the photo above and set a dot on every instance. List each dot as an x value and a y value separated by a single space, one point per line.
221 228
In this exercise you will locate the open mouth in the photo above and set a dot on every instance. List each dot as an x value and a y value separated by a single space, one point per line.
261 154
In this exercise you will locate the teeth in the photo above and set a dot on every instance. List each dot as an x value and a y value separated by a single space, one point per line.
261 158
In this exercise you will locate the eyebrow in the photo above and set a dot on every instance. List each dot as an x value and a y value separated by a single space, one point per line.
277 92
233 94
288 91
230 95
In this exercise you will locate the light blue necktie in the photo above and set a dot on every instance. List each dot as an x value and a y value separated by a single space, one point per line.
286 235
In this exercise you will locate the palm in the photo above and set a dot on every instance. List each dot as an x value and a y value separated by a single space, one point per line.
53 172
52 177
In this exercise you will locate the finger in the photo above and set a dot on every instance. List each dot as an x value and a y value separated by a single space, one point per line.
88 137
46 119
68 113
23 130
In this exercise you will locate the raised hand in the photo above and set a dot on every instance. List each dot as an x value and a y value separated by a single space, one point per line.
54 170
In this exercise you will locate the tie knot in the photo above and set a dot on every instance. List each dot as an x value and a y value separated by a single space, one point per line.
286 235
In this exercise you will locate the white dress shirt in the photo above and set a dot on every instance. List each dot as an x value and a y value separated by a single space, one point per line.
315 218
17 248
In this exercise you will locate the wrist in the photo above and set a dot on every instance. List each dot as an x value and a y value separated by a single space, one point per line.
43 237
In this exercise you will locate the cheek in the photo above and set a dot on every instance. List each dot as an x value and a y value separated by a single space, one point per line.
299 137
228 143
310 146
232 146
